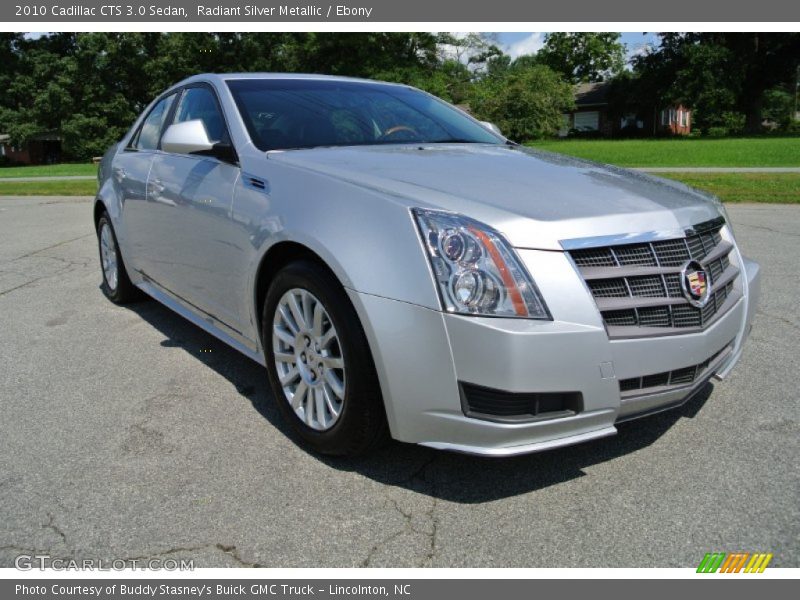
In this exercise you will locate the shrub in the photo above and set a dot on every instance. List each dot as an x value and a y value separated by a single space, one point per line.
733 122
585 135
717 131
793 128
525 102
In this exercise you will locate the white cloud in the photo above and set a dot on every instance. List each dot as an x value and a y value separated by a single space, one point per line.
642 49
530 44
633 52
461 53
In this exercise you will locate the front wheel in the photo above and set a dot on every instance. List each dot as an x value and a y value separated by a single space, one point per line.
319 364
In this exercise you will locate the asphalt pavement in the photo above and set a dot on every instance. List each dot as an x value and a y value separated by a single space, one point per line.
128 432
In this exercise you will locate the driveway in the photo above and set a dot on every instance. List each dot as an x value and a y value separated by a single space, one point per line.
128 432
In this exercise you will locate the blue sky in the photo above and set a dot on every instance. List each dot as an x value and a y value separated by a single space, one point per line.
519 43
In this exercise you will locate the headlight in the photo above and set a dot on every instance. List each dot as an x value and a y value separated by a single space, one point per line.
724 213
476 271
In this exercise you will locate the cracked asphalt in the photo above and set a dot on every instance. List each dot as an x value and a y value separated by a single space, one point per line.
129 433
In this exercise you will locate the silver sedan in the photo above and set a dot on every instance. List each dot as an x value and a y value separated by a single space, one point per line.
404 270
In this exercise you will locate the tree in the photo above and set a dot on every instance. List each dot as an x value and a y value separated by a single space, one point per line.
708 84
582 57
475 50
89 87
10 65
363 54
526 102
779 105
450 80
764 60
720 72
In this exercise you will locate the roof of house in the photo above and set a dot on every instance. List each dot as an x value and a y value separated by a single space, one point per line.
592 94
44 136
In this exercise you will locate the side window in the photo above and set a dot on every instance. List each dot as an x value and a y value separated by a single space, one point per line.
150 132
200 103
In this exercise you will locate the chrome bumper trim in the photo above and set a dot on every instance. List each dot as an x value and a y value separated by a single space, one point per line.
525 448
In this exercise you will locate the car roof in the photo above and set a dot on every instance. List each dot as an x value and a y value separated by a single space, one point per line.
223 77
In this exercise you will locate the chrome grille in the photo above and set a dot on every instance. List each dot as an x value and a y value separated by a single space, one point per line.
653 316
673 283
608 288
637 286
620 318
596 257
640 255
677 377
649 286
672 253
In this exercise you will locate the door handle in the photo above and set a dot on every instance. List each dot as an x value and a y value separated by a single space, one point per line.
156 187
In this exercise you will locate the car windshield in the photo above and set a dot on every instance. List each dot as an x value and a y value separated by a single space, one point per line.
283 114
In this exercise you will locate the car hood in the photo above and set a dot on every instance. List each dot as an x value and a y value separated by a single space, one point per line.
536 199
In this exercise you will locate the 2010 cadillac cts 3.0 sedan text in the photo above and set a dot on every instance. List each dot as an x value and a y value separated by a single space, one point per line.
401 268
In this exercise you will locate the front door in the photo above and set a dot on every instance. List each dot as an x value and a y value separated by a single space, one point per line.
190 198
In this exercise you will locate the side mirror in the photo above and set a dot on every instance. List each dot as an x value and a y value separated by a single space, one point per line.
492 127
188 137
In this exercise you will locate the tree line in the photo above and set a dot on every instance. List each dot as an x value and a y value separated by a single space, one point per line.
89 87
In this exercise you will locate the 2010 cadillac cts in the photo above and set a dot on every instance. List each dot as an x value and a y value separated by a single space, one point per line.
399 267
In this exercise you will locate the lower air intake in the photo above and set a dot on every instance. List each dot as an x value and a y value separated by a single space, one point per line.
499 405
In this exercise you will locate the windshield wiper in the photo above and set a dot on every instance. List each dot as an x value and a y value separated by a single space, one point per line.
452 141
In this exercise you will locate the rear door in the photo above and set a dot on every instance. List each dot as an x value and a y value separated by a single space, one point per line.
130 170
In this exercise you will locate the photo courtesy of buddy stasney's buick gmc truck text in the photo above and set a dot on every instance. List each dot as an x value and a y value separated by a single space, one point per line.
404 270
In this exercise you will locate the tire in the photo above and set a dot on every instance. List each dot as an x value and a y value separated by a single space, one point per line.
116 285
353 389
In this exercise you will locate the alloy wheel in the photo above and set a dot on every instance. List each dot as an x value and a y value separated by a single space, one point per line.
108 256
308 359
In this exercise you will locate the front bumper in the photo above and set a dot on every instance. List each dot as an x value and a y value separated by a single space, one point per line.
421 355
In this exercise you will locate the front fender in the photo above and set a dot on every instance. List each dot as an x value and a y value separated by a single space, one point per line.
369 240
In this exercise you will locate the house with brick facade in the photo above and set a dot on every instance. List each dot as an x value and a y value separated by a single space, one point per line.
676 120
44 148
593 116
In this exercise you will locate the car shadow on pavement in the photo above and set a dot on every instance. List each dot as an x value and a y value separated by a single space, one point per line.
442 475
472 480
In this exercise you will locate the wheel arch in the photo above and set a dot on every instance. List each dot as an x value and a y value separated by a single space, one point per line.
281 254
98 210
275 258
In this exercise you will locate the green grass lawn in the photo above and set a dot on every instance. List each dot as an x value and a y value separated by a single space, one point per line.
80 187
49 170
729 187
745 187
684 152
